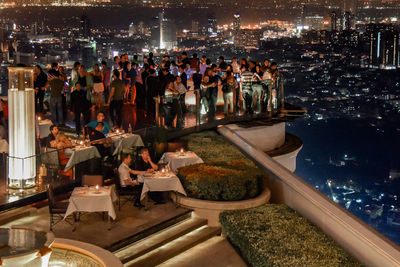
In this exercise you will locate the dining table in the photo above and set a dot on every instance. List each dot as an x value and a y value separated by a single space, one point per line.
176 160
159 182
93 199
43 127
80 153
126 140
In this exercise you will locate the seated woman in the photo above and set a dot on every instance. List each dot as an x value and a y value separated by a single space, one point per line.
61 142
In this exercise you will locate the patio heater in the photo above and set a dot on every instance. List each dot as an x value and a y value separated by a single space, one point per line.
21 99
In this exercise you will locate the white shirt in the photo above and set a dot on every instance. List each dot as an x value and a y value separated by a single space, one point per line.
267 75
124 174
235 67
180 87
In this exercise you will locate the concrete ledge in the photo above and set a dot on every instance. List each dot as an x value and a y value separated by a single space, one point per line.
210 210
364 243
102 256
14 214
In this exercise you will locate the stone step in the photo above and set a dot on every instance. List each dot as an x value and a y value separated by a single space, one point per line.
175 247
159 239
14 214
216 252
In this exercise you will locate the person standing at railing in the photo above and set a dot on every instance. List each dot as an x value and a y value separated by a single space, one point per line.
56 86
212 92
204 95
229 86
276 85
98 86
116 99
267 87
203 65
106 78
39 85
178 86
257 88
153 86
246 88
80 105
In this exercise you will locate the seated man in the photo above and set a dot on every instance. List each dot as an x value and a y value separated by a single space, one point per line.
99 140
146 164
50 139
125 176
100 118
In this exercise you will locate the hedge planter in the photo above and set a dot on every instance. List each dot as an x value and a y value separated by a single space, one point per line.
210 210
275 235
221 181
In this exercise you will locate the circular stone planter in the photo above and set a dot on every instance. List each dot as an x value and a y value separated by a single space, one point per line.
210 210
100 256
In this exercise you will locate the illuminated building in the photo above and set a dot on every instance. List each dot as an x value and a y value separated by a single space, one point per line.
333 21
383 45
167 33
236 28
211 24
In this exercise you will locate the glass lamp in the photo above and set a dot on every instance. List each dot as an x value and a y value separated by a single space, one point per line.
21 99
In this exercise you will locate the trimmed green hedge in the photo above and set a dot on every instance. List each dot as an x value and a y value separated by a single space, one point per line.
275 235
226 175
220 181
210 146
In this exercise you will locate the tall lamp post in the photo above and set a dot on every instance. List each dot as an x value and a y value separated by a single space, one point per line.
22 158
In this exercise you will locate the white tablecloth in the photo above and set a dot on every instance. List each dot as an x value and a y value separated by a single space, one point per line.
126 141
86 199
160 182
81 154
44 128
177 159
3 146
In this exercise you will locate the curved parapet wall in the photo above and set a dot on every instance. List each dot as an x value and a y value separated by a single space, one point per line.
210 210
273 140
101 256
265 137
368 246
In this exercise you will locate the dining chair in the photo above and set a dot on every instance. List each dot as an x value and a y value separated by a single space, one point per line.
92 180
49 157
57 209
131 192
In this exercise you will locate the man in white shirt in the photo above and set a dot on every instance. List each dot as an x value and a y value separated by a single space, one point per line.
125 172
126 180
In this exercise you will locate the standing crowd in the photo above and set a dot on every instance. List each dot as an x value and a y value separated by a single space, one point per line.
246 85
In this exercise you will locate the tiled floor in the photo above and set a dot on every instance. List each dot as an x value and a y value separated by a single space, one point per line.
93 229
